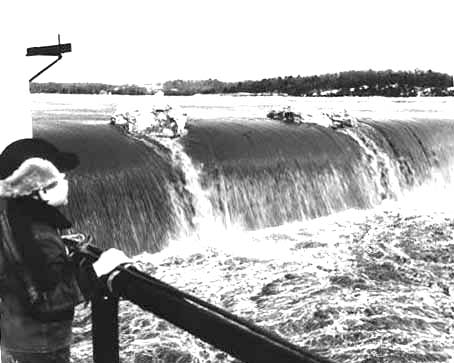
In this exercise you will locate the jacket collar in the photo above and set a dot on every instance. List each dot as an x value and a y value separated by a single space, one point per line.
38 211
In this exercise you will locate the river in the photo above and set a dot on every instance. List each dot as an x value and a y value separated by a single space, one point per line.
339 241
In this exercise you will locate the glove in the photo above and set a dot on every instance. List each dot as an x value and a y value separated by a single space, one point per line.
109 260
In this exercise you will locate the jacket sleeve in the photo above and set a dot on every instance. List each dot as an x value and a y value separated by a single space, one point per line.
55 262
57 266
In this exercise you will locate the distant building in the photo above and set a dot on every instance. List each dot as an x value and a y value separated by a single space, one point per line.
330 92
153 87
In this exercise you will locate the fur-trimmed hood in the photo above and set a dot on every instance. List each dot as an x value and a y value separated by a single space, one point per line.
32 175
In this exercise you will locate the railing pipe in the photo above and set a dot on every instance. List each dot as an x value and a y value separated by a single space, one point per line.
240 338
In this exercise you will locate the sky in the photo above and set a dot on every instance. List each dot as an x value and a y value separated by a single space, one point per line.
152 41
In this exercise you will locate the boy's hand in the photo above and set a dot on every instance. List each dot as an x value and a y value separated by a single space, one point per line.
109 260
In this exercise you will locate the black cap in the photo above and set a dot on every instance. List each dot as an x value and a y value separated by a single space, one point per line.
19 151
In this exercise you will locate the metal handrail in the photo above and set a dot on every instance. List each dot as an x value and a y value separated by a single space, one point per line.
234 335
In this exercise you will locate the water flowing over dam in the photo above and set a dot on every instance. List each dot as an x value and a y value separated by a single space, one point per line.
250 173
262 173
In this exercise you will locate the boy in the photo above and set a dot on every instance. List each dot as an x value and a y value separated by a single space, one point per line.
39 294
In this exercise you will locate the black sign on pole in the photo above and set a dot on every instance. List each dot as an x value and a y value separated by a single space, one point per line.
49 50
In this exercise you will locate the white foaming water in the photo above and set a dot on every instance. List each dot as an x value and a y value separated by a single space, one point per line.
325 269
203 211
329 252
433 197
385 171
278 242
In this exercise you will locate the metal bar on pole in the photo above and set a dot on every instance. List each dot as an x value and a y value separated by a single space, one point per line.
45 69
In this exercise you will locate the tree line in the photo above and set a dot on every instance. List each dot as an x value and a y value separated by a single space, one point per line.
357 83
351 83
87 88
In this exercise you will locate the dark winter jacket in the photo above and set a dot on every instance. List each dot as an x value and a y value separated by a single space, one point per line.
36 230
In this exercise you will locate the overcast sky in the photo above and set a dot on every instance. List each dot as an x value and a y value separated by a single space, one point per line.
150 41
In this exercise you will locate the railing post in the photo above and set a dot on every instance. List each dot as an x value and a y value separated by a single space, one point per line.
104 319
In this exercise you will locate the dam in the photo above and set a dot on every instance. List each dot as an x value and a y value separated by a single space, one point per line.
250 172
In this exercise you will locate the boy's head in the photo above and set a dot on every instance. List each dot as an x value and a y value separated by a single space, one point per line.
32 167
19 151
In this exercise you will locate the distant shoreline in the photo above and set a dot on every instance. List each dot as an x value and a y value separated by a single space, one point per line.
353 83
444 93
